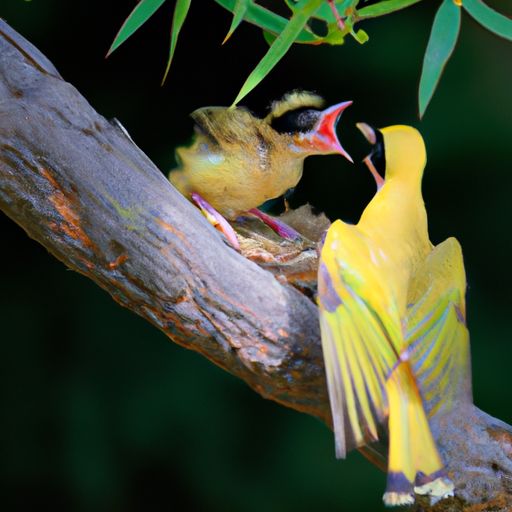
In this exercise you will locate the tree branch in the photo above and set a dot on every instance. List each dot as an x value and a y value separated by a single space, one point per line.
79 186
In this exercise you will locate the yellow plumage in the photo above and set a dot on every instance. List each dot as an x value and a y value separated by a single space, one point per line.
293 100
237 161
392 315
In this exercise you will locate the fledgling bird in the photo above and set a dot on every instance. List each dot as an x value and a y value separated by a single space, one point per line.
238 161
392 318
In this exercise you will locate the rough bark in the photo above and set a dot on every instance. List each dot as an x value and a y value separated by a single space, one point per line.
79 186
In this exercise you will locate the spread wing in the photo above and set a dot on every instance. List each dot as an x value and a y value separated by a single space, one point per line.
361 335
437 335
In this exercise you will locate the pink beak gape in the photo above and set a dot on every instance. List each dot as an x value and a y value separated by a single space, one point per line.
324 134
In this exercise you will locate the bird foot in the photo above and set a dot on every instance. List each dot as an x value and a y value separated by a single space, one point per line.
438 489
217 220
396 499
276 225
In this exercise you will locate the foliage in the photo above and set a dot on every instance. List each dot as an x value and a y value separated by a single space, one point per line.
443 39
338 19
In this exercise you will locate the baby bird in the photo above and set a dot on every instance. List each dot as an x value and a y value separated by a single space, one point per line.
238 161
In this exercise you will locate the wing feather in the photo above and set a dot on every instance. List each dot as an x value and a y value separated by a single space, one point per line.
437 335
358 337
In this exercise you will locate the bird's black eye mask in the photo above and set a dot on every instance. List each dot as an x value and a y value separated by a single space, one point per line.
377 155
297 120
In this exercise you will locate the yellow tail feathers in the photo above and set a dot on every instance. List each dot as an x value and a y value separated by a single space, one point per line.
414 462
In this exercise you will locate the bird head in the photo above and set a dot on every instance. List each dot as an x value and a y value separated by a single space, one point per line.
396 151
310 129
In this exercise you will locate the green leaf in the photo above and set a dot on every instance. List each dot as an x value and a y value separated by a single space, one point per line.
269 21
443 38
334 35
489 18
269 37
142 12
238 15
383 8
290 4
180 13
281 45
360 36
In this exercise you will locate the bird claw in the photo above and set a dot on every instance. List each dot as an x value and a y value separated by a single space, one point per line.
438 489
396 499
278 226
216 220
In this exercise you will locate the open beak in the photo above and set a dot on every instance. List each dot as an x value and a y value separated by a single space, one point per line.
371 137
323 136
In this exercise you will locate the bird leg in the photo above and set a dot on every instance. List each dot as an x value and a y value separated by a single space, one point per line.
379 180
216 220
276 225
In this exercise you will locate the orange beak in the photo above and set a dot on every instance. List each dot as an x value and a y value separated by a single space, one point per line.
323 136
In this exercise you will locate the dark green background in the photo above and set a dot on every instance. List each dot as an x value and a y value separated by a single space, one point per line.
100 412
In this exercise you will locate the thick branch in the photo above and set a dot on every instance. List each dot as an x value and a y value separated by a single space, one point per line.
78 185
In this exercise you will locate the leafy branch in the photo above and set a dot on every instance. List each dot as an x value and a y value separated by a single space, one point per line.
337 20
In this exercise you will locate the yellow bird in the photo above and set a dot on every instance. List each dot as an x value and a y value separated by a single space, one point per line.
238 161
392 318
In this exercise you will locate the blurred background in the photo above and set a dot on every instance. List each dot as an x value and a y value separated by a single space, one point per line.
100 411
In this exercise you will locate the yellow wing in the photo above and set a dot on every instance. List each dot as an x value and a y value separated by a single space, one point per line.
370 379
361 331
437 335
